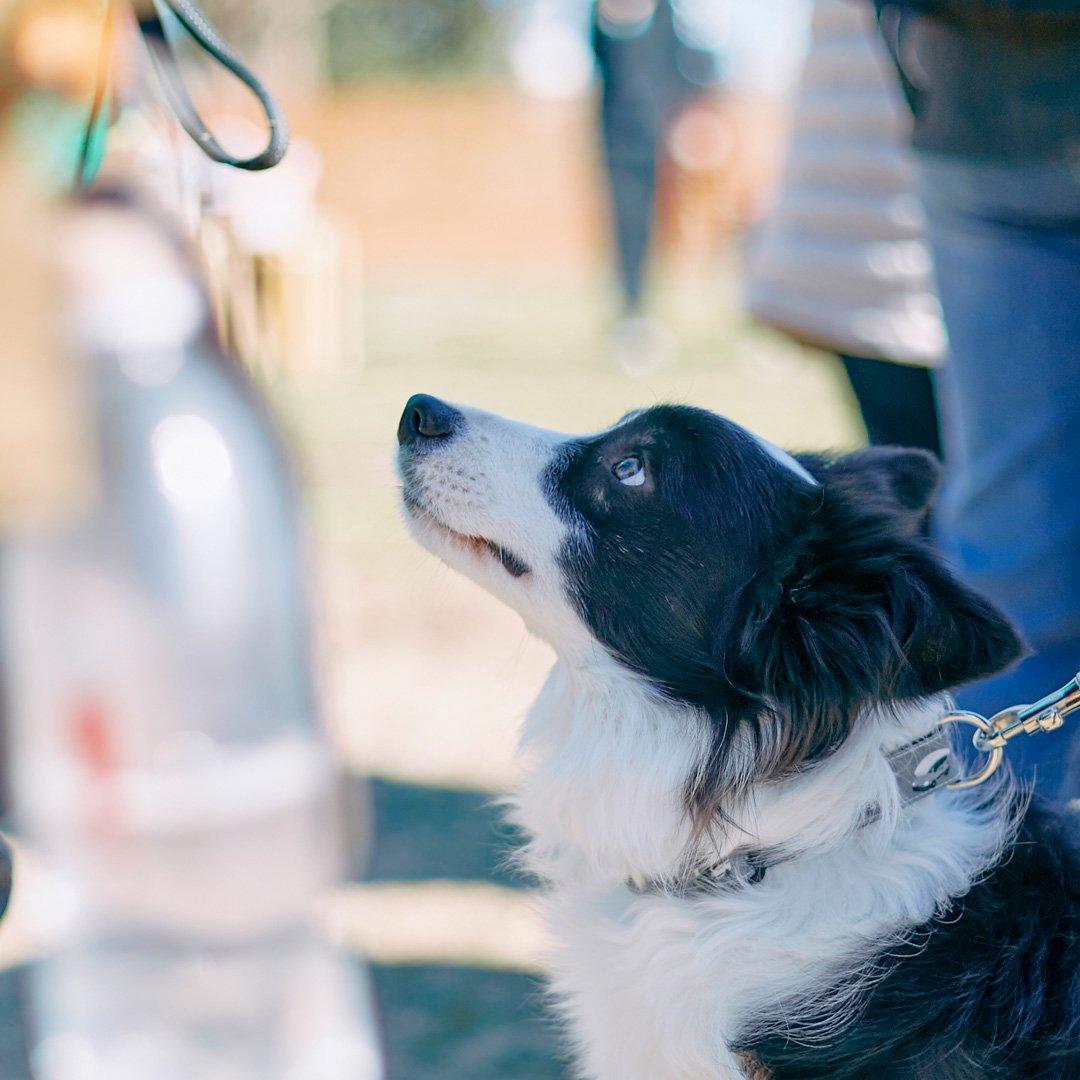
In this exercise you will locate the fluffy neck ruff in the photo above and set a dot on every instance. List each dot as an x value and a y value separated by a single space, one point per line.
609 763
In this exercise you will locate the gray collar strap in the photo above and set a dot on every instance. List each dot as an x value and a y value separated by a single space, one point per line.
922 766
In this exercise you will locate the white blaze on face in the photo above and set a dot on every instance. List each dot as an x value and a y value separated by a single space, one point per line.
786 460
488 481
488 484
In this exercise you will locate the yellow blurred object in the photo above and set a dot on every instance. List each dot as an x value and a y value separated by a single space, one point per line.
282 312
46 468
282 273
54 44
311 288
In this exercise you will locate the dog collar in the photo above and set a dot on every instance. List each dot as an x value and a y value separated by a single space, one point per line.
921 767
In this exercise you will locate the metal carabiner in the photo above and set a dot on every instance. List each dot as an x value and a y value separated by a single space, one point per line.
992 736
1047 714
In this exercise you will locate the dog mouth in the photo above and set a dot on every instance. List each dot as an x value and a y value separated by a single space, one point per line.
513 564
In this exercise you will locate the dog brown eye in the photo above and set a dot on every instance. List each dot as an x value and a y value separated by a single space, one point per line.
630 471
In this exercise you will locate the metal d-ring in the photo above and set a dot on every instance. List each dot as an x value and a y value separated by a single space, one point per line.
996 752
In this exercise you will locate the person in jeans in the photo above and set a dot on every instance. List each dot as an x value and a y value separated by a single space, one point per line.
994 87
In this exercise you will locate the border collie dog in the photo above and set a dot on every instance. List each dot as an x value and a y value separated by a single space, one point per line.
739 882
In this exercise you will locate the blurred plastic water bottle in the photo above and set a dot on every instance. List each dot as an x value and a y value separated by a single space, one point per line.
166 757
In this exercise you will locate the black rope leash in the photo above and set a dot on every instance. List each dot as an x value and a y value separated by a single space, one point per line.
195 22
151 17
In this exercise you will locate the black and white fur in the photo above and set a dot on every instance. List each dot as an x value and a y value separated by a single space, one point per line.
741 639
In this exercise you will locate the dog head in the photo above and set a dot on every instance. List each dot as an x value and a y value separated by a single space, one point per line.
781 596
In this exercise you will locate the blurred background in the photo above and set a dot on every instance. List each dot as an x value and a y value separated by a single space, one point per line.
450 220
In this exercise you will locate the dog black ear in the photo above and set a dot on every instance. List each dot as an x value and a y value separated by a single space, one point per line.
892 477
947 634
865 613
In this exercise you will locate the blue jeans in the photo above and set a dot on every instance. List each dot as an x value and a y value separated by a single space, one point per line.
1006 242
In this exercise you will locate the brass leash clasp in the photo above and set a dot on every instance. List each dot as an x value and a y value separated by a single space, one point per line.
992 736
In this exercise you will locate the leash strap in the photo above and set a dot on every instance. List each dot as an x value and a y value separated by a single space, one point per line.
152 16
152 24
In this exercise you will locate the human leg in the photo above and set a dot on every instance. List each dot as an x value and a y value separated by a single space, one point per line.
896 401
1006 243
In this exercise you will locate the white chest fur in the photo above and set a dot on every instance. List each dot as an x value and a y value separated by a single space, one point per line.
656 986
607 766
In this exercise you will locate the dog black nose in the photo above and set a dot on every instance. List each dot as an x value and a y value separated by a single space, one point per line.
427 417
